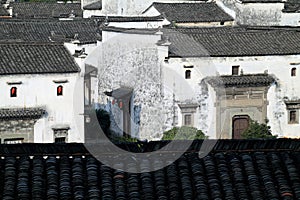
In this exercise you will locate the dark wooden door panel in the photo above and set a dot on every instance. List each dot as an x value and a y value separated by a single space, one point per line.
240 124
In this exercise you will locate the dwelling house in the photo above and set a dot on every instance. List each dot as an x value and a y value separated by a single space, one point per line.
44 10
215 79
252 71
263 12
190 14
42 94
80 37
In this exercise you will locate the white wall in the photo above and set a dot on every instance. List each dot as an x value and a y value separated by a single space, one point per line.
40 91
279 66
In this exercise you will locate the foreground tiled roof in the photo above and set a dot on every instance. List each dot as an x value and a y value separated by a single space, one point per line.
21 113
192 12
29 58
45 9
49 30
233 41
94 6
247 80
70 173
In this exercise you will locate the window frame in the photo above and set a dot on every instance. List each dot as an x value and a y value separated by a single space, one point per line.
62 91
293 72
296 116
235 70
188 74
15 94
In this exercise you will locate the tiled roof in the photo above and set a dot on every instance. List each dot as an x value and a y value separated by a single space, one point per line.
291 6
94 6
21 113
233 41
49 30
248 174
45 9
3 11
28 58
192 12
246 80
128 18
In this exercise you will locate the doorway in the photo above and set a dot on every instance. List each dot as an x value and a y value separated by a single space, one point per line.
239 124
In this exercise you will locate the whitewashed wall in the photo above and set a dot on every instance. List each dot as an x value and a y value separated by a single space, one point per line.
133 60
40 91
279 66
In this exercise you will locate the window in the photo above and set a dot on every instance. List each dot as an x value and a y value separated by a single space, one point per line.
235 70
293 72
293 117
222 23
60 140
188 120
188 74
13 141
60 135
59 90
13 92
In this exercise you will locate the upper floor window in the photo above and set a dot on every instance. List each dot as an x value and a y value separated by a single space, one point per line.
235 70
293 117
293 71
13 92
59 90
188 74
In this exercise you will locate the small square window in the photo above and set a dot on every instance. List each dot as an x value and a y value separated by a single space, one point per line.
293 117
59 90
235 70
13 92
293 72
188 74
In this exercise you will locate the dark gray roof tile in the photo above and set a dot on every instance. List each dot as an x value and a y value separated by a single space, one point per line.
94 6
267 169
29 58
45 9
21 113
49 30
291 6
192 12
246 80
233 41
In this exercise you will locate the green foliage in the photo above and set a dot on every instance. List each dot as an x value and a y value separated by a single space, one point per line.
184 133
104 121
118 139
257 130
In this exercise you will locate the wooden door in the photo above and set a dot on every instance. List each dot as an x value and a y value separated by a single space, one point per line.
239 125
